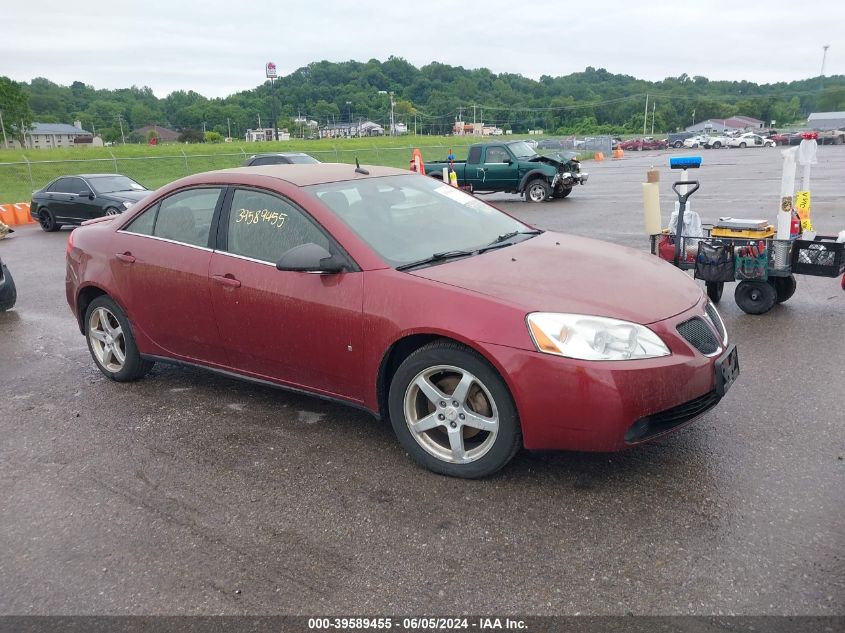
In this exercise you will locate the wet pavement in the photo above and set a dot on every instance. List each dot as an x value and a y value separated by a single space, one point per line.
190 493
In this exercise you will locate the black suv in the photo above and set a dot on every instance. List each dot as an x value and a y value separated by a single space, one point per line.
677 139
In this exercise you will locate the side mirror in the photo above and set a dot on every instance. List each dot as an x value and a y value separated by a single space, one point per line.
86 193
310 258
507 161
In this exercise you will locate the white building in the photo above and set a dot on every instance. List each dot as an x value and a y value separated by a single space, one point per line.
52 135
266 134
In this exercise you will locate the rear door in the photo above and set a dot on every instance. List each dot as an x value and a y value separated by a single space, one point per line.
302 329
162 261
58 199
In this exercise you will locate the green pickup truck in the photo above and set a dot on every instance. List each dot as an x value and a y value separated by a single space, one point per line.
514 167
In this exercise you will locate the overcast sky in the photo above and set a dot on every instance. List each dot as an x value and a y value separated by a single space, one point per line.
219 47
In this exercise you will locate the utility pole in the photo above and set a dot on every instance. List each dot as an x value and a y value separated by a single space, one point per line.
203 127
645 114
2 127
653 106
392 120
824 58
473 119
120 122
229 127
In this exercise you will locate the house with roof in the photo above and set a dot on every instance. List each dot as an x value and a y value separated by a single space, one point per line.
738 123
53 135
824 121
164 134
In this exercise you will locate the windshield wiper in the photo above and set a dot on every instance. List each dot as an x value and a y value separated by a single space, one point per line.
502 240
436 257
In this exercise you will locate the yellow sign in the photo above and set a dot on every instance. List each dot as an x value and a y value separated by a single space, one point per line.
802 204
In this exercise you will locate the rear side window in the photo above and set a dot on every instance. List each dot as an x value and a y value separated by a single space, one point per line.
183 217
264 226
63 185
268 160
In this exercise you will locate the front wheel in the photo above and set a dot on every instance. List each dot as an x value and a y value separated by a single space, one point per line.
8 293
562 192
742 145
678 144
755 297
453 412
717 145
111 342
112 211
537 190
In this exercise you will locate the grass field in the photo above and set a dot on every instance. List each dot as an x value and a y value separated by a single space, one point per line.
153 166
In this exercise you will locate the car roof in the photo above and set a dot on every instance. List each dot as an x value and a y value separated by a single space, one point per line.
313 174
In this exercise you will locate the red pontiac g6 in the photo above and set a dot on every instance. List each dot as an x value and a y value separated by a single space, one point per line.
474 333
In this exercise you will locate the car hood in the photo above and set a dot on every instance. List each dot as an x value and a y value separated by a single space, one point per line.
126 196
554 272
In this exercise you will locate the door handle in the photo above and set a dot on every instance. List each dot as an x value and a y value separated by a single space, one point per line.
126 257
227 280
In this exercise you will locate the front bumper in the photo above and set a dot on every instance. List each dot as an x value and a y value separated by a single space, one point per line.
567 404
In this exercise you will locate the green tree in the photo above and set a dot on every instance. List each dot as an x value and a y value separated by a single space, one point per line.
16 113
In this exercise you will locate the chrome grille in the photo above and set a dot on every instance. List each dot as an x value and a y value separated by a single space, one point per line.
716 319
699 335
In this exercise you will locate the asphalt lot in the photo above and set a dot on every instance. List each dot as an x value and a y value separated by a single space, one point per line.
190 493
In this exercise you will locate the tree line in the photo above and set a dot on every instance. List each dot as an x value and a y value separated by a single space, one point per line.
428 100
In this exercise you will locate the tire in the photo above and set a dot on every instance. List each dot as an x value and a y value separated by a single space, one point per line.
561 192
9 293
678 144
742 145
755 297
111 343
47 221
112 211
537 190
717 145
422 392
714 290
784 287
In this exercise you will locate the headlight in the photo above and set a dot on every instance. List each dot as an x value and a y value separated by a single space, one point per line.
592 337
126 205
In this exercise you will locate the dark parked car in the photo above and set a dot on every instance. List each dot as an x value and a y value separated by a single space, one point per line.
677 139
472 332
280 158
8 292
550 144
74 199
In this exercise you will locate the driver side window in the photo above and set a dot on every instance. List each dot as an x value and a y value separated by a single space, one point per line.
496 155
263 226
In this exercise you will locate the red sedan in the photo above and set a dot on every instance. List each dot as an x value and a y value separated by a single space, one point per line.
639 144
475 334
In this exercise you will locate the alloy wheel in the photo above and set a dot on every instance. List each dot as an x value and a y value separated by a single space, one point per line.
451 414
107 339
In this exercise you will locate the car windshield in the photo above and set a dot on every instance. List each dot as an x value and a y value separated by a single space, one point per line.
410 218
521 149
110 184
302 159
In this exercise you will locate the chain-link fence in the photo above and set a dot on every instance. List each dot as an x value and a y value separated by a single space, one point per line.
19 179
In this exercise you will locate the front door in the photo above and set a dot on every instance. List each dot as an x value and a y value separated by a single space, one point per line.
500 173
298 328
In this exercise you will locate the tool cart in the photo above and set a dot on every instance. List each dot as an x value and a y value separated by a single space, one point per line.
747 252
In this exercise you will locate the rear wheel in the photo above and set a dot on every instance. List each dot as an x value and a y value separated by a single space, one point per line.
714 290
717 145
453 412
537 190
755 297
47 221
112 211
111 342
678 144
742 145
784 287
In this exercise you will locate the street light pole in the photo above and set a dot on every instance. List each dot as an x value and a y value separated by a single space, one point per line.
2 127
270 72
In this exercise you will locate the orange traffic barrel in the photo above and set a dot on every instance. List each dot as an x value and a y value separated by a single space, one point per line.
599 156
618 153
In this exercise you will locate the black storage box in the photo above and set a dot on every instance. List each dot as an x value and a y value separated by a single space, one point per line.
822 257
